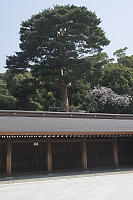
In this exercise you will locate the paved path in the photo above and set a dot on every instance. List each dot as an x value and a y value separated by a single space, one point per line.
100 187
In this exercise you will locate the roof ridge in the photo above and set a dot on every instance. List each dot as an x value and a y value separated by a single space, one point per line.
20 113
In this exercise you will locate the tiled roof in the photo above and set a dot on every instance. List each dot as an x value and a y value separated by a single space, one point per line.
60 124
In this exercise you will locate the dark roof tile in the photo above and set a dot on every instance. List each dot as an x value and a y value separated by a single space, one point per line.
54 124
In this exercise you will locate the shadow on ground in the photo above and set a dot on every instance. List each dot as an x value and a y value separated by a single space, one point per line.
38 176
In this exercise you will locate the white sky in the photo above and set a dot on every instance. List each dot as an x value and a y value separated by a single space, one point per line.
116 16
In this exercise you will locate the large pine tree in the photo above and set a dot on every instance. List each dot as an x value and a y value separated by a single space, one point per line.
55 43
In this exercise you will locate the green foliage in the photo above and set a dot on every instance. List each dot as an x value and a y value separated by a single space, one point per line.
79 95
15 79
56 40
120 54
3 88
122 58
7 102
32 106
118 78
94 68
2 76
46 98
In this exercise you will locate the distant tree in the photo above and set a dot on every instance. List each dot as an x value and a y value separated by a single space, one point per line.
118 78
120 54
122 58
7 102
55 43
24 88
95 63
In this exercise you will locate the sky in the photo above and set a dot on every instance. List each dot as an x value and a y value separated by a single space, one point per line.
116 16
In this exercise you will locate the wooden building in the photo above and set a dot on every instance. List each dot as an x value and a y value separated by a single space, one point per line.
46 141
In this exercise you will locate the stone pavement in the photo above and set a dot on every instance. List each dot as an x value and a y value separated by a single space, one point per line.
101 186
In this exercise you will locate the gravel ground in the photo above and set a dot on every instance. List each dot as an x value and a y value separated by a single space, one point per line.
100 187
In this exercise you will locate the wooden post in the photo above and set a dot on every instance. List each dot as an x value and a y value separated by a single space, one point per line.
49 156
84 155
9 160
1 158
115 153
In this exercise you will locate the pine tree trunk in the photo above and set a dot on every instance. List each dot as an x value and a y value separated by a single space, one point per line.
65 102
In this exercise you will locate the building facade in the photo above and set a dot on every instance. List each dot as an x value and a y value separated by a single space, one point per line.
46 141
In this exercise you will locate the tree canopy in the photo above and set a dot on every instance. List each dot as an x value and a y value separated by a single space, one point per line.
55 43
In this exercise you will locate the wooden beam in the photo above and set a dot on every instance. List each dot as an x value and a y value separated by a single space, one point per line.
84 155
56 140
41 133
9 160
115 153
49 156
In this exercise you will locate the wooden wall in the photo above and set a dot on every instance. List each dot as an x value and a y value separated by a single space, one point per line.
21 155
